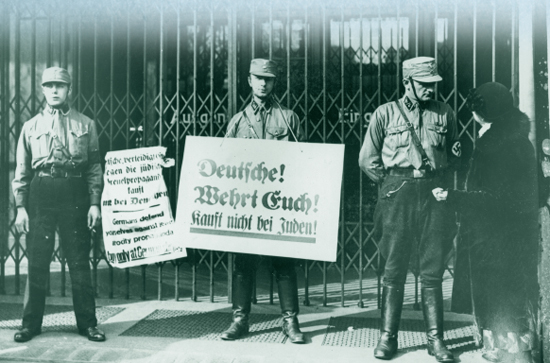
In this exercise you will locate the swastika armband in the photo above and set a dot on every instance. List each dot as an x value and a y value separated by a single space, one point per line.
457 149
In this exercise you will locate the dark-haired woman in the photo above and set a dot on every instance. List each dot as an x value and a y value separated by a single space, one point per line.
496 267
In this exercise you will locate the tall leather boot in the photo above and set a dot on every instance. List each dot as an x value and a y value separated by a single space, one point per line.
242 299
288 296
392 303
432 306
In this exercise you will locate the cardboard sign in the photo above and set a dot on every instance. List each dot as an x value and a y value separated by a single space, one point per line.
262 197
138 227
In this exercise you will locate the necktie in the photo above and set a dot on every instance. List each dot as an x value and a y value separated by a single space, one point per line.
59 127
414 154
60 135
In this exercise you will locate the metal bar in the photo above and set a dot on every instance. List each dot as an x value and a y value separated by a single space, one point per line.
128 118
270 30
361 54
33 67
143 282
144 133
160 266
79 72
111 85
18 124
161 76
195 70
5 140
526 67
398 54
161 117
306 108
455 74
288 28
416 30
94 249
177 118
50 44
63 64
343 130
474 64
436 50
493 41
211 282
212 66
253 33
379 80
324 74
513 38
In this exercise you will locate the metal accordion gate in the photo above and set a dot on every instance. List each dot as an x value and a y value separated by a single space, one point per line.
152 72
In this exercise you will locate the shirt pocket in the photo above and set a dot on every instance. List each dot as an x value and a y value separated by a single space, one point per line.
40 144
276 133
78 141
436 135
397 136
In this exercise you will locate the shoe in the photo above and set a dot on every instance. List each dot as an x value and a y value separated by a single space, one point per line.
493 355
242 300
432 307
292 330
238 329
93 334
386 347
392 303
25 334
288 298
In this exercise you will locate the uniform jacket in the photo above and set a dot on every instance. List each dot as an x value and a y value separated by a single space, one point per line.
496 250
248 123
39 148
388 142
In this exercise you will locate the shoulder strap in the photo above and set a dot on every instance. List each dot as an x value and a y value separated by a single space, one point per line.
414 136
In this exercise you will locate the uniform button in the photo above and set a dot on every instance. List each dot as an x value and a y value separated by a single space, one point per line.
276 132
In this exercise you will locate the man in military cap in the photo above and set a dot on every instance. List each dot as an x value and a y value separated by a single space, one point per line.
410 147
58 180
264 118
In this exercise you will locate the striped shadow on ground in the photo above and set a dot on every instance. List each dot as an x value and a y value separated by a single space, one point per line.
56 317
265 328
364 333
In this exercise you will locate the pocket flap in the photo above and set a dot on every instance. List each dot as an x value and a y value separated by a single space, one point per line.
79 132
437 128
397 129
277 131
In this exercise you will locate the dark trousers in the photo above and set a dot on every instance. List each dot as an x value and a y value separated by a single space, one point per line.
413 223
285 274
62 204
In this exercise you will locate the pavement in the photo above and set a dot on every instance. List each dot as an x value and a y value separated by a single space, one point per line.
67 346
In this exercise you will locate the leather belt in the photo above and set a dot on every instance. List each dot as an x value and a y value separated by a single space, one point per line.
413 173
59 173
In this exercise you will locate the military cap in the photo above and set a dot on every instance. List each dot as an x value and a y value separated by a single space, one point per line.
263 67
421 69
56 74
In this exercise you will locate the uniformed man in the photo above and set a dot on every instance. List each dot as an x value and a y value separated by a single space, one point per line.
409 148
58 180
264 118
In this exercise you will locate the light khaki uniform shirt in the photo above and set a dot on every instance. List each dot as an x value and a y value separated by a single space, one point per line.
42 145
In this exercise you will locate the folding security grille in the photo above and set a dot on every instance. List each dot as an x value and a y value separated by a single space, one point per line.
152 72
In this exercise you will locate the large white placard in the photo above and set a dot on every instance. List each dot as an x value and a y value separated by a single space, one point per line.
260 196
138 227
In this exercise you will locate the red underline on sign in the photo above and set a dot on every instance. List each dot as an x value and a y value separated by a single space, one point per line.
252 235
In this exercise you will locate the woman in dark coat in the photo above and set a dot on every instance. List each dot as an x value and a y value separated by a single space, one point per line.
496 267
